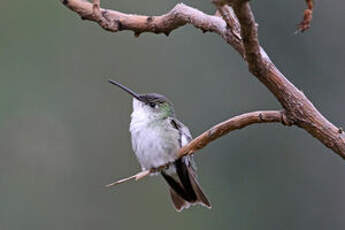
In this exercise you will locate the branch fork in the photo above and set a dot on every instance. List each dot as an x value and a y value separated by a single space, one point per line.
235 23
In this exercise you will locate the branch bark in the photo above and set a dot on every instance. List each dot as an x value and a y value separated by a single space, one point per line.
237 26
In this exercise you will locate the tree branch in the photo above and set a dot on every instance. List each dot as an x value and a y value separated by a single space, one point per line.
299 110
237 26
179 16
217 131
234 123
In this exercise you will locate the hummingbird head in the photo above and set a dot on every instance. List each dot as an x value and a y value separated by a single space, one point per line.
150 104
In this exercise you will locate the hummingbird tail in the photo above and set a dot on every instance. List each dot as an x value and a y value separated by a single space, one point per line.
201 197
185 191
178 202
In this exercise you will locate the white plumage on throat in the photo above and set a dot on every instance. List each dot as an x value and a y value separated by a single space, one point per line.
155 142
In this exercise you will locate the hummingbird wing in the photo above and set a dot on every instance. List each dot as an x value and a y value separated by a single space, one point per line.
185 190
185 138
185 134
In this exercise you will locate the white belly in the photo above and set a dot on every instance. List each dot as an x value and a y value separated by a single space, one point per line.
155 146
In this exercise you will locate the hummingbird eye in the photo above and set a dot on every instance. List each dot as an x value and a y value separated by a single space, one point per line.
152 105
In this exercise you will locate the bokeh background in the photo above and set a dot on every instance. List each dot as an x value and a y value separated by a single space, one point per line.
64 129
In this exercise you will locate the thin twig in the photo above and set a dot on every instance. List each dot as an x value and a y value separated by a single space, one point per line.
234 123
136 177
307 17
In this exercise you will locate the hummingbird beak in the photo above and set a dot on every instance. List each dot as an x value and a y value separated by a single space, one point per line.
131 92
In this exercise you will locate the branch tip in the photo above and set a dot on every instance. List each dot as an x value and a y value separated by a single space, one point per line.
135 177
307 17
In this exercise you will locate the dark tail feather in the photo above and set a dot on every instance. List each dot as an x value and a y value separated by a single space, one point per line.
187 191
178 202
201 197
176 186
183 174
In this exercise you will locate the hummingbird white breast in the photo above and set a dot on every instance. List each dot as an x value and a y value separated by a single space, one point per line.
154 140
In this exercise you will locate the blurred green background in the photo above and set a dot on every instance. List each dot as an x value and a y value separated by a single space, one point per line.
64 129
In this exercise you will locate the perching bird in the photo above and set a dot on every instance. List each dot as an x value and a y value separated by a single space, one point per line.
157 137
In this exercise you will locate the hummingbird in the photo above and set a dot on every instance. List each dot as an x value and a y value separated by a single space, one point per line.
157 136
